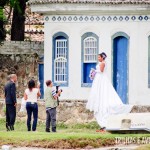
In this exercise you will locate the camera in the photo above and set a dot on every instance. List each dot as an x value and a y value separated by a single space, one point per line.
57 89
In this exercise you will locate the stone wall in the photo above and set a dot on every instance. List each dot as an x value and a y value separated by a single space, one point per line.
68 112
21 47
21 58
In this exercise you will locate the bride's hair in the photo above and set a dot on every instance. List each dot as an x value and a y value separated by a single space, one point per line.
103 55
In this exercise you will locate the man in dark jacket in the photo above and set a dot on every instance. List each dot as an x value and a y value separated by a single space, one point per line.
11 102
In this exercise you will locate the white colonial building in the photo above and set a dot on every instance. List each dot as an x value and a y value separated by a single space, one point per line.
77 30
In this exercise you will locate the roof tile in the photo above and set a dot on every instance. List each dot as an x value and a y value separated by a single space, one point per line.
113 2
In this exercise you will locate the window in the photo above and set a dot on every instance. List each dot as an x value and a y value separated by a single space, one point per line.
60 71
90 50
61 48
89 56
60 59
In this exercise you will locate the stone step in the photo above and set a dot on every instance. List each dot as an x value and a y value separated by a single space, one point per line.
140 109
129 122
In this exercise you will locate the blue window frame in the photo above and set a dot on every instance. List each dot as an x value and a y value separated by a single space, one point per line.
60 59
89 42
149 62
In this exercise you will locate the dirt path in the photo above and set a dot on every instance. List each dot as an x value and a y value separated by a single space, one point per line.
121 147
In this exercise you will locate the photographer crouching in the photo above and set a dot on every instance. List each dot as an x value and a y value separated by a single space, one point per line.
51 102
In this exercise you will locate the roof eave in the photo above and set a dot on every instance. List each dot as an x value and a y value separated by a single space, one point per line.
92 9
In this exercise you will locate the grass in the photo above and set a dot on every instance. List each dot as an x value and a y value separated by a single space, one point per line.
67 136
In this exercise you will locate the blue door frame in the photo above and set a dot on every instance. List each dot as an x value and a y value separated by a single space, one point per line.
41 79
120 66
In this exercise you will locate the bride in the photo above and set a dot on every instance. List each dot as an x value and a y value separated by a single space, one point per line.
103 99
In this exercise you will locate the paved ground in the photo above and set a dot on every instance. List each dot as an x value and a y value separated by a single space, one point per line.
131 147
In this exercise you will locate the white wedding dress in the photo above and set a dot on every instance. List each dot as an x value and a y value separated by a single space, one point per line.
104 100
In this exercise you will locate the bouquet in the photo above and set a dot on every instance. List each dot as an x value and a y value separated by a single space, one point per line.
92 73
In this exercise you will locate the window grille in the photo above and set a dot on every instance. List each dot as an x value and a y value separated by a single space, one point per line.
61 48
60 61
60 72
90 50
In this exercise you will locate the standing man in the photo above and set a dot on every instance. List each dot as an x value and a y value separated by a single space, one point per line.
11 102
51 104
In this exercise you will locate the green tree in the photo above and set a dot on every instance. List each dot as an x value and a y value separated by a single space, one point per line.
18 21
2 30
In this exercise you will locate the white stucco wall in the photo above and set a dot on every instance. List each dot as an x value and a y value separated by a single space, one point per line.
139 93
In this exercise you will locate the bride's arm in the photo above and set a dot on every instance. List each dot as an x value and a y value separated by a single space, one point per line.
102 66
